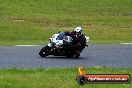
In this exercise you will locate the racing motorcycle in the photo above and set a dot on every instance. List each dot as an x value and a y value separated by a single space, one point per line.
58 45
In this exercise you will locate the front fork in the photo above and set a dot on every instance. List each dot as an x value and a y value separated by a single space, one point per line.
49 44
53 48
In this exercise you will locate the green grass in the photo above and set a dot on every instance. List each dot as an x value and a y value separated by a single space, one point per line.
55 78
34 21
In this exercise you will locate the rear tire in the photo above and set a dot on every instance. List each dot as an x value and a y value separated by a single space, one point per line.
77 54
43 52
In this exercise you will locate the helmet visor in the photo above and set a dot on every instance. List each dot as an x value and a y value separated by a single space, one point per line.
79 33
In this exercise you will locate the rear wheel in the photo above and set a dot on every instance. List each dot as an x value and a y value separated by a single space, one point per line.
43 52
77 54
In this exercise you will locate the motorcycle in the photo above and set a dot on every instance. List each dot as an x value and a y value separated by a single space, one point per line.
58 45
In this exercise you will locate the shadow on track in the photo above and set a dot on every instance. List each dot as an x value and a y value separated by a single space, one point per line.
63 57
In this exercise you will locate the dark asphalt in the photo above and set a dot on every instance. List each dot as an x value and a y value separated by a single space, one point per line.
118 56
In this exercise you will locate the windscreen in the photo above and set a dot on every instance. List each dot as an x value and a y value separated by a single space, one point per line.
60 36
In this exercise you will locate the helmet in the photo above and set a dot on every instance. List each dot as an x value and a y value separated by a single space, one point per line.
78 31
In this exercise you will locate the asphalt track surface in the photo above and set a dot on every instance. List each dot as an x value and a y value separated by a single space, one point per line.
117 56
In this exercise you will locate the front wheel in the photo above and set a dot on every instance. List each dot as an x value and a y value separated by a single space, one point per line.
43 52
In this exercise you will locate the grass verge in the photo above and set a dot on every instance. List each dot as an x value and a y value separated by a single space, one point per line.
33 22
55 78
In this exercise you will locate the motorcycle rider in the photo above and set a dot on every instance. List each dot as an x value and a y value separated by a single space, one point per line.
79 40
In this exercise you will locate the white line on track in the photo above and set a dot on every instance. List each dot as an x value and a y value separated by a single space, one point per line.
26 45
125 43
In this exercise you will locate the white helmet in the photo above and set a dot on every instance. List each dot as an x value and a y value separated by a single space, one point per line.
78 31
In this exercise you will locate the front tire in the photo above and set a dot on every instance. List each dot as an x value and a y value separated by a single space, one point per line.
43 52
